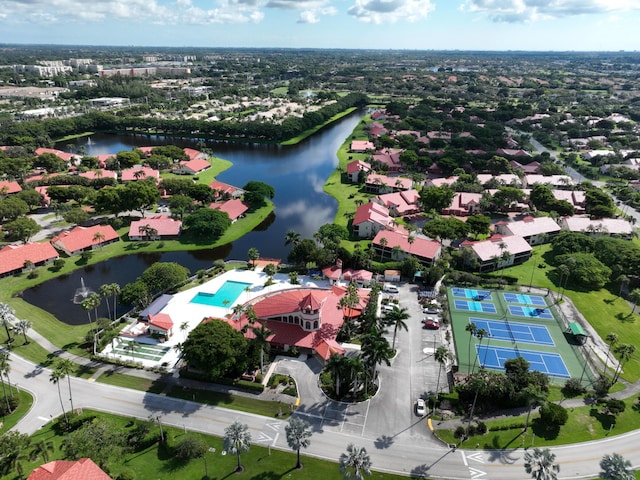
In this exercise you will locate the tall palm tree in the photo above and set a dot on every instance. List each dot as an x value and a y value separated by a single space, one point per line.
41 449
98 237
441 356
23 327
253 255
237 439
539 464
634 296
6 316
396 318
298 436
355 368
261 338
184 326
55 378
114 290
472 329
616 467
292 238
534 396
105 291
481 333
5 367
611 340
356 461
336 364
66 368
383 243
375 349
624 351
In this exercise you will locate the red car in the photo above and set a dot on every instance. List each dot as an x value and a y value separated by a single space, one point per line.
431 324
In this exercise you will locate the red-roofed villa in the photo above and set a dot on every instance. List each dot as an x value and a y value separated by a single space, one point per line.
80 239
83 469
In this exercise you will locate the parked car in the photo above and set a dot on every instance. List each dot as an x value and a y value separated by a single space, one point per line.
432 310
386 308
431 323
421 408
390 288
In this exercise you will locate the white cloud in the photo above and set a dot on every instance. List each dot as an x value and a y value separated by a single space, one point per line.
513 11
390 11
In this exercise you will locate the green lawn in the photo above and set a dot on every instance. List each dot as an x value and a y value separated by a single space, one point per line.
584 424
218 165
132 382
157 462
10 421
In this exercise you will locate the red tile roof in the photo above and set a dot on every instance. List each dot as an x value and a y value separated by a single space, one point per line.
83 469
99 173
165 226
196 165
234 208
162 321
12 257
223 188
59 153
129 175
421 247
372 212
192 153
80 238
11 187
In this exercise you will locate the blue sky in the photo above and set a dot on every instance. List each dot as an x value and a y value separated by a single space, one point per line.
379 24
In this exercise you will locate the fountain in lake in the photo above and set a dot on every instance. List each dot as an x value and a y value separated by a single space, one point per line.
82 292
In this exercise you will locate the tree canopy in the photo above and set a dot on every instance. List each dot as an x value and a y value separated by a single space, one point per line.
207 223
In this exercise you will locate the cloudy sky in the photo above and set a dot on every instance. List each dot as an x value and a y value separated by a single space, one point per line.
379 24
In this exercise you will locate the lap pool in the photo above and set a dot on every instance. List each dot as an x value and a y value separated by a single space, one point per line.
226 295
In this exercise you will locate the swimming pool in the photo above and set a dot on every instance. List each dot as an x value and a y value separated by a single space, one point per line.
226 295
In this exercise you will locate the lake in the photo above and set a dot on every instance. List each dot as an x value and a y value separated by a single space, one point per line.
297 173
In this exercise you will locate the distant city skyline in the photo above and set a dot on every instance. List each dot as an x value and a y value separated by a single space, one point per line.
495 25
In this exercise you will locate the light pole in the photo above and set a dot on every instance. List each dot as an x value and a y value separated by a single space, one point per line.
532 272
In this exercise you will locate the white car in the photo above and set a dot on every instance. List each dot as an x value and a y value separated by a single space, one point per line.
421 408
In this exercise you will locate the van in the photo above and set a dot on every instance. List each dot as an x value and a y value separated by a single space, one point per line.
391 288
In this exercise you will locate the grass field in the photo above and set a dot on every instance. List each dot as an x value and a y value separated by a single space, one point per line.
155 462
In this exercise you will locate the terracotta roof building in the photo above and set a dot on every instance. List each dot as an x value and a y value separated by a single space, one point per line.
371 218
399 246
192 167
165 228
535 230
235 208
13 257
79 239
83 469
7 188
139 173
489 253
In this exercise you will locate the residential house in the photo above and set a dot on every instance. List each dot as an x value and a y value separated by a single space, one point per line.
399 246
371 218
139 173
601 226
80 239
551 180
336 275
82 469
192 167
512 152
499 252
440 181
235 208
531 168
535 230
70 158
577 198
225 191
400 203
354 168
463 204
98 173
7 187
390 158
155 228
16 259
508 179
376 129
379 184
362 146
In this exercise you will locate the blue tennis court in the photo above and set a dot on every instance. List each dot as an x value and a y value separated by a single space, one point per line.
549 363
519 311
484 307
470 293
515 331
524 299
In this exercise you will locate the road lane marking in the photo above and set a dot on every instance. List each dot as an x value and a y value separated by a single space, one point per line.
477 457
476 473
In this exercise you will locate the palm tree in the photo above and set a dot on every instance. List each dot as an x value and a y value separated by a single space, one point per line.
253 255
98 237
355 367
383 243
105 291
237 439
356 461
472 329
480 334
23 327
114 289
261 338
534 396
41 449
5 367
624 351
624 283
55 377
336 365
6 316
66 367
611 339
539 464
616 467
375 349
634 296
292 238
184 326
298 434
397 317
441 356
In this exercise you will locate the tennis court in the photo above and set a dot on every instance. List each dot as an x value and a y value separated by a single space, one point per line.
515 331
520 311
471 293
524 299
468 305
549 363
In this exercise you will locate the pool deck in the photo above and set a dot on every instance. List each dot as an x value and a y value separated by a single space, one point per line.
182 311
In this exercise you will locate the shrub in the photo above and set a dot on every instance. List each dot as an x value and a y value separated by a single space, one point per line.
615 406
126 475
553 414
481 428
602 385
573 388
459 432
